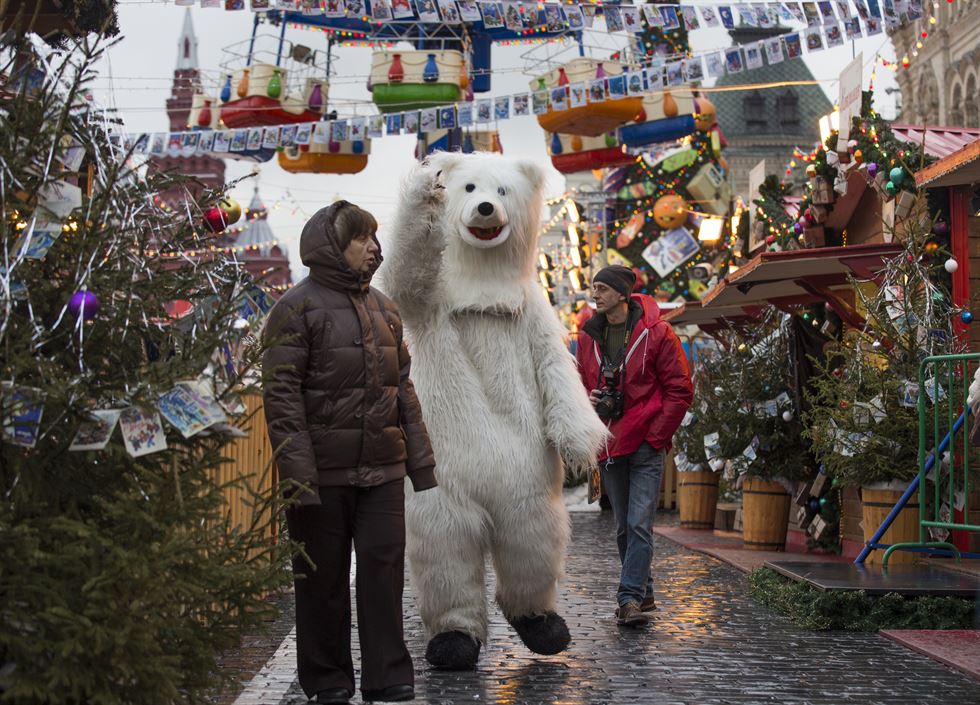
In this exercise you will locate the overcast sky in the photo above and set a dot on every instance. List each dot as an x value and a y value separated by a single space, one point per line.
137 74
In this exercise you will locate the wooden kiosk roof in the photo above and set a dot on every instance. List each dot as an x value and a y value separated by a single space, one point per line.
788 278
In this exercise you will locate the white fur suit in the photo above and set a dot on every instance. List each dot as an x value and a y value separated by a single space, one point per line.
501 399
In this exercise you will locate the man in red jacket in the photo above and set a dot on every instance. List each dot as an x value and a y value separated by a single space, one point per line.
637 376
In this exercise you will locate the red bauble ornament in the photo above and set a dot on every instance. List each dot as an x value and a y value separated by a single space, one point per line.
771 239
215 219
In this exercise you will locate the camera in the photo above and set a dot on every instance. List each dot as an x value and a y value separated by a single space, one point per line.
610 402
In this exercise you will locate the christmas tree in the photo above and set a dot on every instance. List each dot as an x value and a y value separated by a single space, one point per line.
121 574
863 421
669 188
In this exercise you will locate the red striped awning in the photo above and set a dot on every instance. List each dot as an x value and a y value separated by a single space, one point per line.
939 141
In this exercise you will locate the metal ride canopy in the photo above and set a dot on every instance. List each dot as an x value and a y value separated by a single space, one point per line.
421 35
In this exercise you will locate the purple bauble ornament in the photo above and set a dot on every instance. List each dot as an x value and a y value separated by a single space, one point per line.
797 228
85 303
940 228
872 169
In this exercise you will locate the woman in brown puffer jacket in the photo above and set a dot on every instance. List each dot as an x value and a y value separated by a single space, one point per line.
343 416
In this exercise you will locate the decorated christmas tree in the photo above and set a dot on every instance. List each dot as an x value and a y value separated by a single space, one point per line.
121 573
662 198
863 421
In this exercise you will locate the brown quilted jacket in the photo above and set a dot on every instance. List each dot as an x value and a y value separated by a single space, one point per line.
339 404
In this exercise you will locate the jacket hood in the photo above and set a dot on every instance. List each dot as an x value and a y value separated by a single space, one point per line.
643 309
320 251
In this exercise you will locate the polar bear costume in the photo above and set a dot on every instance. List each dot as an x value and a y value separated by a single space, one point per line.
501 398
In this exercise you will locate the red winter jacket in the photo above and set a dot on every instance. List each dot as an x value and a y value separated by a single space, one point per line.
656 384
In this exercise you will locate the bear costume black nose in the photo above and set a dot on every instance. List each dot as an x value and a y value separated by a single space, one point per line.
485 208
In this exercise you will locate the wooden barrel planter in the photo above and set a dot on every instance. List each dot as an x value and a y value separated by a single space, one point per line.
765 515
698 497
875 506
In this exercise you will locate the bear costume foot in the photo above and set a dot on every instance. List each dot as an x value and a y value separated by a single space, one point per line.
453 651
545 634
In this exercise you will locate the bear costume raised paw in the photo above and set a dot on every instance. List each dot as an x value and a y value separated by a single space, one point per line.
501 398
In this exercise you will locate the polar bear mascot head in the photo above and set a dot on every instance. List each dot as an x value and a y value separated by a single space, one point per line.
490 221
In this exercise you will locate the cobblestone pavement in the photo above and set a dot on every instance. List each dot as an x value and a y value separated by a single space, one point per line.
709 643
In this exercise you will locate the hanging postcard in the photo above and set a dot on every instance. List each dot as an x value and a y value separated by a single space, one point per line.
852 27
412 122
321 132
631 19
334 8
693 69
812 14
670 18
469 11
222 141
493 15
774 50
655 78
733 60
449 12
554 21
614 18
539 102
428 11
521 106
380 11
710 16
38 238
843 9
652 14
270 138
753 56
690 16
675 74
785 14
512 17
22 411
826 8
747 15
94 433
577 95
254 141
464 114
617 86
634 82
763 16
834 36
794 46
714 64
814 39
376 126
559 98
142 431
338 130
796 8
428 120
484 109
501 107
304 133
402 9
597 90
727 16
669 251
574 18
447 117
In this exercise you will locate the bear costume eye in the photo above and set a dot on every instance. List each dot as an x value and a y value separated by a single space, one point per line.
502 191
470 188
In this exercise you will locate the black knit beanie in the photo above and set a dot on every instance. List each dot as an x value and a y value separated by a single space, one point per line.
617 277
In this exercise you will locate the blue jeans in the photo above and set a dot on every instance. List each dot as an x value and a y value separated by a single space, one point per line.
632 483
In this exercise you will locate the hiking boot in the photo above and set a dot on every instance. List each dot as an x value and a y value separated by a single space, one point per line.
630 615
649 604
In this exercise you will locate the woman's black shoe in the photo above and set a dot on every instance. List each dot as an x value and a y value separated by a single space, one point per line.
391 694
333 696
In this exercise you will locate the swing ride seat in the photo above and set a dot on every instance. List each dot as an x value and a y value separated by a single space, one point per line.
398 97
261 111
593 119
317 159
656 131
591 159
